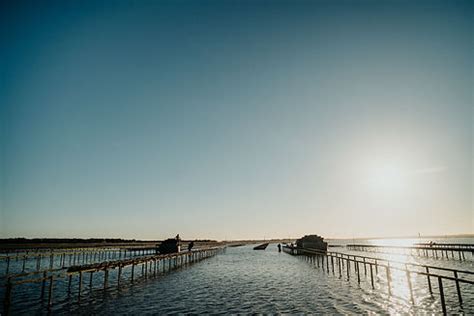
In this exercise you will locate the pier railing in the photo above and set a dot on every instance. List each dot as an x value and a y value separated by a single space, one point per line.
447 245
150 266
337 261
69 257
438 251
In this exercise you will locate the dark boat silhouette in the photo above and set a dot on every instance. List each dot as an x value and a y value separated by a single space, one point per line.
261 247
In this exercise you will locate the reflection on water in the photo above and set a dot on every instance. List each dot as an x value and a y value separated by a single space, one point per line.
395 242
242 280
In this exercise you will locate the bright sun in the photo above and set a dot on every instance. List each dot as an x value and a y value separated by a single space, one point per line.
388 178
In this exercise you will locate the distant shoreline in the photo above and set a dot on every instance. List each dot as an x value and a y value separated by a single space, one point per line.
22 240
408 237
49 243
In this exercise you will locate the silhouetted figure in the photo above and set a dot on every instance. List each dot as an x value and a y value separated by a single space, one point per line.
190 245
178 242
279 247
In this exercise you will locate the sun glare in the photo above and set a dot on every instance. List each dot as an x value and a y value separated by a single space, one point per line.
387 177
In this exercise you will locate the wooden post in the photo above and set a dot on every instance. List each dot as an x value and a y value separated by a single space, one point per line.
441 294
409 285
458 288
8 265
80 287
357 269
133 269
339 263
69 284
50 292
429 280
372 276
387 269
90 280
119 274
332 264
43 284
7 299
348 266
106 278
365 267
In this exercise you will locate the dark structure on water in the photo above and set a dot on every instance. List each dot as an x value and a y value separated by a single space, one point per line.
170 245
312 242
261 247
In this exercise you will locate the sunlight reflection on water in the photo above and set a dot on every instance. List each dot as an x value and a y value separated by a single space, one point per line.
245 281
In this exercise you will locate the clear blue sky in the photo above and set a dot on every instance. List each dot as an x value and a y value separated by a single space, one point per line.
236 119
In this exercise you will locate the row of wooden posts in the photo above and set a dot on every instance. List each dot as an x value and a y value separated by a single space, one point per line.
426 251
447 245
150 267
341 260
75 257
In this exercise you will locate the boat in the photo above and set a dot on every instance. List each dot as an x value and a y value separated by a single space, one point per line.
312 242
308 242
261 247
170 245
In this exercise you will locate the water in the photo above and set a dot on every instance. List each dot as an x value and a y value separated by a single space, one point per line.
241 280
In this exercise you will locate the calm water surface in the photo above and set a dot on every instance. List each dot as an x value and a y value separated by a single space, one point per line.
241 280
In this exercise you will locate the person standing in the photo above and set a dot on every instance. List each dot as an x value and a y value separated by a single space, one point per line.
178 243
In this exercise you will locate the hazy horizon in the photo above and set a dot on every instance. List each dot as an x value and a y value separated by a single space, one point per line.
455 236
236 119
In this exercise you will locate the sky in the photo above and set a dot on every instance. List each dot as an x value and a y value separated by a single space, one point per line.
236 119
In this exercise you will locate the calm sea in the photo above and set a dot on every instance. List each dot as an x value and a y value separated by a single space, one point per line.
241 280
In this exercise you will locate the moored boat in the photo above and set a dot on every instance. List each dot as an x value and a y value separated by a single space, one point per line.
261 247
306 243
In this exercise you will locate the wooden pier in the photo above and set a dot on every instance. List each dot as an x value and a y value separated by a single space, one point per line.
373 267
437 251
447 245
150 265
62 258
